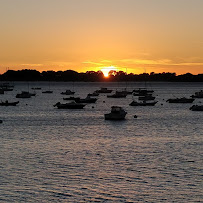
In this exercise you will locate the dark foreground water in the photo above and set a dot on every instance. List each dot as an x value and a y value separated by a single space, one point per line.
51 155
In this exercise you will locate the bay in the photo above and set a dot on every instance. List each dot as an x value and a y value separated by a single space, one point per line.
64 155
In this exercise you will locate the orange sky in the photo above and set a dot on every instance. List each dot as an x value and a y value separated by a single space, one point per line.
134 35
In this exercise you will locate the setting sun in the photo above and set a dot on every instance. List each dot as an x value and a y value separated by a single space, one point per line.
106 70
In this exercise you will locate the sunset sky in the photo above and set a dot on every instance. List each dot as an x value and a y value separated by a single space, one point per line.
134 35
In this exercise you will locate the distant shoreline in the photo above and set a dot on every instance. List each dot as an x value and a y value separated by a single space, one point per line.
92 76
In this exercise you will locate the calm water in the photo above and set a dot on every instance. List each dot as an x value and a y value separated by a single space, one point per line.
52 155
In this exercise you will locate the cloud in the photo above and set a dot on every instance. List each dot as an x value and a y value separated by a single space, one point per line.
31 64
93 63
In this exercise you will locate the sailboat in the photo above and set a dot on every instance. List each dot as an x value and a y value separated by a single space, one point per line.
48 91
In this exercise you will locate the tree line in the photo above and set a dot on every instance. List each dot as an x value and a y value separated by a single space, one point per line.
96 76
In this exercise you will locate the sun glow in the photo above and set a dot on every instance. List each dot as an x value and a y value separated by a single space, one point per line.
106 70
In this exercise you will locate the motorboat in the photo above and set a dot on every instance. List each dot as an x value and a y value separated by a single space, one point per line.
71 105
146 97
71 98
104 90
1 91
68 92
24 94
118 95
47 92
198 94
94 94
143 103
196 108
88 99
181 100
6 103
117 113
36 88
142 92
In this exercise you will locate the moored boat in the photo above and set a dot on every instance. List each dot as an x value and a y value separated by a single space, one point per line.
68 92
1 91
142 92
88 99
117 95
6 103
104 90
6 87
181 100
94 94
143 103
198 94
24 94
36 88
146 97
196 108
47 92
71 105
71 98
117 113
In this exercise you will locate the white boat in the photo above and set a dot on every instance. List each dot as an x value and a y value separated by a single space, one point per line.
117 113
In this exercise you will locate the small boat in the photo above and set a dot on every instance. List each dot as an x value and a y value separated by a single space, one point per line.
1 91
71 98
36 88
142 92
117 113
88 99
6 87
6 103
146 97
181 100
68 92
117 95
143 103
71 105
198 94
47 92
24 94
196 108
94 94
104 90
6 84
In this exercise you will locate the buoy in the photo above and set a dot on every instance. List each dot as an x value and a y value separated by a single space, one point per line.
1 121
161 104
135 116
92 107
103 101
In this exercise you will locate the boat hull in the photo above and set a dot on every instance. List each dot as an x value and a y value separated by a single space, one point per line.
142 103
